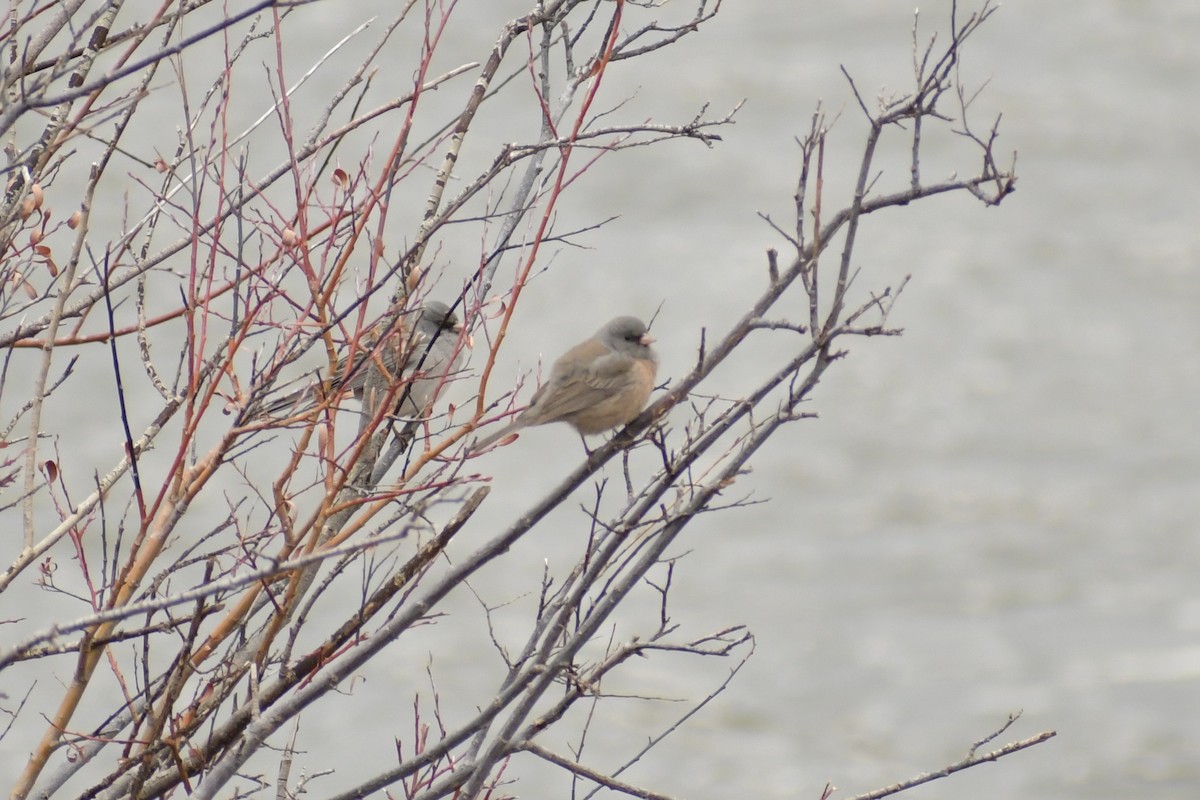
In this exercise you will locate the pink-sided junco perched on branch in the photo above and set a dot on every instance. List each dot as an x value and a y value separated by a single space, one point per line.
424 366
595 386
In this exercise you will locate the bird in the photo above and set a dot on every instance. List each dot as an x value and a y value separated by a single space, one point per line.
374 370
599 384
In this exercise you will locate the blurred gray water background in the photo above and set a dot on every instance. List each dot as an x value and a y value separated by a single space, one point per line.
995 512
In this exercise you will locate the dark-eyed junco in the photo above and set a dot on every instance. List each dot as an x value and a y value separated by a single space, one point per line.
374 370
595 386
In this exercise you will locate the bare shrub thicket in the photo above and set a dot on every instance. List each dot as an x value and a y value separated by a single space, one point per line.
163 562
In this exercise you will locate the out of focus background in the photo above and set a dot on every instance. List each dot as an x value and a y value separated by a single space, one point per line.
994 512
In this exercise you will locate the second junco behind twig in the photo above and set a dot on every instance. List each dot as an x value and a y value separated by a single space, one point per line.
374 370
595 386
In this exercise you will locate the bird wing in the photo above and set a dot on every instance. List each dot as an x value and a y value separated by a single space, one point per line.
572 390
371 357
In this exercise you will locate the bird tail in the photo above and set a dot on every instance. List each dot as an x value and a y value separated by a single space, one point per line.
291 403
491 439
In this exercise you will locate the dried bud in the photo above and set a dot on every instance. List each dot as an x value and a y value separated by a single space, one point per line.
290 238
75 219
43 252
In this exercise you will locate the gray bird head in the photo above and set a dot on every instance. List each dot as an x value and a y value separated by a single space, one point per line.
436 315
628 335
